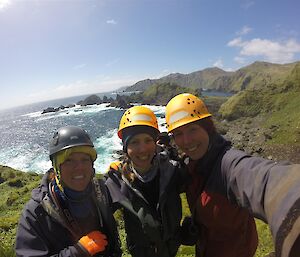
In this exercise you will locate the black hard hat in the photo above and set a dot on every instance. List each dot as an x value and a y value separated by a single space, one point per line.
67 137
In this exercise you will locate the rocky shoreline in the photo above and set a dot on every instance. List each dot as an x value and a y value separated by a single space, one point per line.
119 102
250 136
246 134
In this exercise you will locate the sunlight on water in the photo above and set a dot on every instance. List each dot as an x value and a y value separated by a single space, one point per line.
25 136
159 112
106 147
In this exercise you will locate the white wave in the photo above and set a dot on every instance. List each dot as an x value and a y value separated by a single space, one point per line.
26 158
41 165
32 114
159 112
34 157
106 147
162 124
157 109
72 111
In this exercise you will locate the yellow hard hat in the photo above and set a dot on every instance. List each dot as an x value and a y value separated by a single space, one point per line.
183 109
137 115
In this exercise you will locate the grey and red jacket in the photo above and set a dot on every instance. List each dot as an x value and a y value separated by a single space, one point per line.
44 231
229 187
152 231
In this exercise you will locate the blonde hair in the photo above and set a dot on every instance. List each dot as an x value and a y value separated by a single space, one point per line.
126 171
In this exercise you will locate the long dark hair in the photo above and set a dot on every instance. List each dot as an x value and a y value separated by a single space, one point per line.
208 125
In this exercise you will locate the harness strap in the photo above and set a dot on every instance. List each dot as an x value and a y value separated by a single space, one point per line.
65 214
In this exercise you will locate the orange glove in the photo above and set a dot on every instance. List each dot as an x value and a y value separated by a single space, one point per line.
94 242
117 166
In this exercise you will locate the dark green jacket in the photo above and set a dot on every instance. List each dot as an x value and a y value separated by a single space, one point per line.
150 231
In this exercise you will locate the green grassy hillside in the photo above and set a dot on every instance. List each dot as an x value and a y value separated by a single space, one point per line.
159 94
278 103
15 189
207 78
260 75
254 76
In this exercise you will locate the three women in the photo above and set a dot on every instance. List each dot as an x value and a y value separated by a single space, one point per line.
226 188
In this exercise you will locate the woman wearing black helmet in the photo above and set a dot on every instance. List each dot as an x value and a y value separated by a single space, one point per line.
146 187
69 213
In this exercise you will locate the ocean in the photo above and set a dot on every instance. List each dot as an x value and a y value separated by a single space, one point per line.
25 132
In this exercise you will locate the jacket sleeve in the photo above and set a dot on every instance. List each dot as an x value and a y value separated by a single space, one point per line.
270 191
180 176
31 240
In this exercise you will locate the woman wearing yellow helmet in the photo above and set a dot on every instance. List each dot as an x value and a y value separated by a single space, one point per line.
227 187
146 186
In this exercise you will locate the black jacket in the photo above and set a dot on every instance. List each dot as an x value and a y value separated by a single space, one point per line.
43 231
271 192
151 231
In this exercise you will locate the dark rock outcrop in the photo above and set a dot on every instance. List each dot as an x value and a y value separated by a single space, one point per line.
120 102
49 109
90 100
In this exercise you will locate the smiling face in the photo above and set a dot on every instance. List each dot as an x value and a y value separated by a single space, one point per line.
77 171
141 149
192 139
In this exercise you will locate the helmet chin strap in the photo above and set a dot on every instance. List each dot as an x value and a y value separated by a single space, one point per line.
58 182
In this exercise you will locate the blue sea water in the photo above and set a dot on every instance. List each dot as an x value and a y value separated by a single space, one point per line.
25 132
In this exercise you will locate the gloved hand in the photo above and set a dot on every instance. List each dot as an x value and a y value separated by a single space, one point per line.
94 242
117 166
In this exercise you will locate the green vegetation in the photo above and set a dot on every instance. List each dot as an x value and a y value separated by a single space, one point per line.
260 75
159 94
278 103
267 91
15 190
253 76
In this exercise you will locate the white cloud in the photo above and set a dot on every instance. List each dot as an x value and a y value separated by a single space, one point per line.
245 30
247 4
4 4
272 51
77 87
219 63
60 91
79 66
236 42
98 85
112 21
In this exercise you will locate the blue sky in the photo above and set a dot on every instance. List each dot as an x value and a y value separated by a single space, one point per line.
54 49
